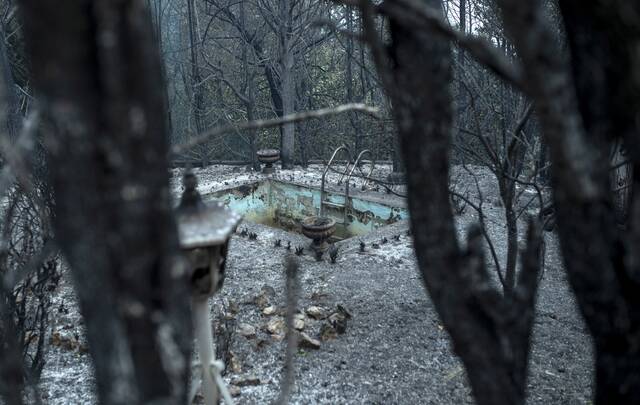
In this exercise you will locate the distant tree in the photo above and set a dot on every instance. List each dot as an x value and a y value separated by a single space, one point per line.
280 33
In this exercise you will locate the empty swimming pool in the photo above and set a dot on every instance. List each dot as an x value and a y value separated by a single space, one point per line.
284 205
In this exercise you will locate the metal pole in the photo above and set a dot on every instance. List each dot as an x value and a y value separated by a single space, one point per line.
204 341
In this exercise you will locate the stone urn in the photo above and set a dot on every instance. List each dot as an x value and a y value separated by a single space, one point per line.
268 157
319 230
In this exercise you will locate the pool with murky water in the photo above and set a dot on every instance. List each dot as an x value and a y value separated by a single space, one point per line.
284 205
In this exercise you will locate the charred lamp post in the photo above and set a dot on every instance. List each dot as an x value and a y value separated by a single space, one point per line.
204 231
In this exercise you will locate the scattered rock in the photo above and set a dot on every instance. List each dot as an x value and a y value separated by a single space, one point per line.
265 295
65 340
275 326
246 330
261 301
234 390
234 363
316 312
268 291
339 319
298 322
307 342
246 381
234 308
327 332
270 310
338 322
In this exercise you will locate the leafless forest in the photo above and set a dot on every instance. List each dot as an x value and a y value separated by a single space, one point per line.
315 201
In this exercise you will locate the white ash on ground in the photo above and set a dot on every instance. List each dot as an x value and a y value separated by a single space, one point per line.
392 349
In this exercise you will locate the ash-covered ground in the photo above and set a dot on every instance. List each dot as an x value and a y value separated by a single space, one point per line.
393 349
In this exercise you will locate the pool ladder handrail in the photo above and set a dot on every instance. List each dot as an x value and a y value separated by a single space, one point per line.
324 202
356 164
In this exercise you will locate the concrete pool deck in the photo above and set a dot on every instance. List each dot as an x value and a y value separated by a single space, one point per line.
220 177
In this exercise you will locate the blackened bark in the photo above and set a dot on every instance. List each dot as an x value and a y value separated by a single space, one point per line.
98 78
603 37
287 81
512 248
197 102
490 332
11 367
11 110
617 378
582 108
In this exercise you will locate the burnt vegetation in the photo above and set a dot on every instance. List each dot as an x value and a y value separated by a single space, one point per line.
502 128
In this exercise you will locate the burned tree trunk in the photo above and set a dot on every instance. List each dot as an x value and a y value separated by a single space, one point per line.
621 182
490 332
98 78
11 110
605 66
287 82
583 107
197 102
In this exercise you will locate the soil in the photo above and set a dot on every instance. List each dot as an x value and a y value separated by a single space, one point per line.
393 350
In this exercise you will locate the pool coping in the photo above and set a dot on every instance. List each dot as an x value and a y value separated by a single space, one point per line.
390 200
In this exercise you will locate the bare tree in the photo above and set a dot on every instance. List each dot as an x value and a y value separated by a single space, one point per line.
581 118
490 332
97 74
286 28
29 272
583 107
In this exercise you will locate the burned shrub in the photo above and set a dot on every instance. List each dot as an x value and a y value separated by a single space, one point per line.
30 269
333 254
